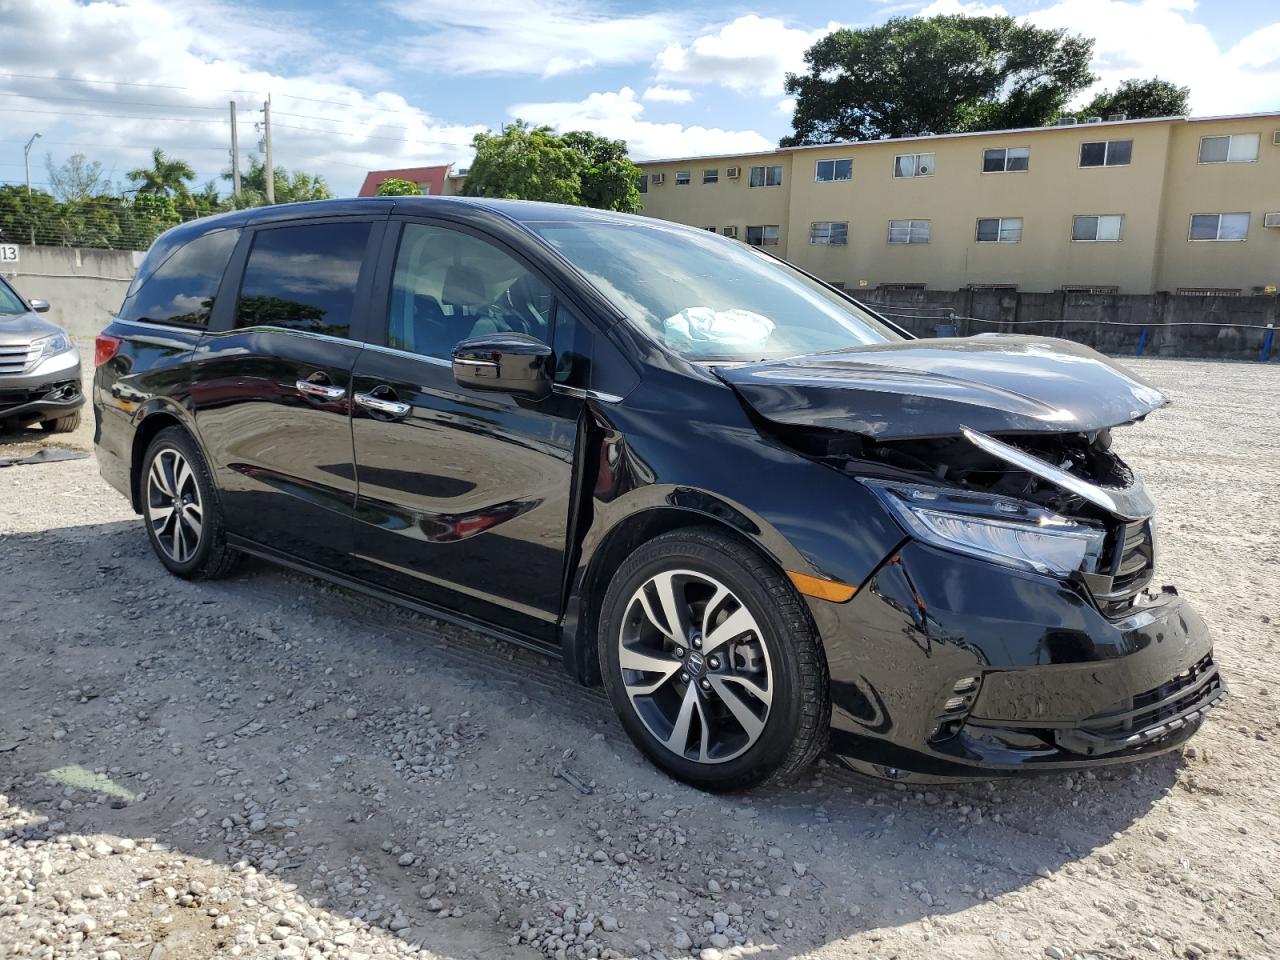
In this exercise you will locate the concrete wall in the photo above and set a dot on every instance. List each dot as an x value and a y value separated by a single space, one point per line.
84 287
1161 324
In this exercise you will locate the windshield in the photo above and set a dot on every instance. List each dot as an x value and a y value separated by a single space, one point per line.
9 302
709 298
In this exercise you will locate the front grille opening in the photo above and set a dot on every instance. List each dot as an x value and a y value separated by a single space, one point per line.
1130 562
1175 696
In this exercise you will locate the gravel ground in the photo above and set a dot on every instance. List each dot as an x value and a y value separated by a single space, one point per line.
271 767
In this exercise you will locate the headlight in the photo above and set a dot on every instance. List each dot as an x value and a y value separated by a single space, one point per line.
999 529
52 346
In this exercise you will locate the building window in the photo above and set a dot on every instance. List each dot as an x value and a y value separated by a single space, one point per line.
765 236
712 229
644 183
1219 226
908 231
1236 148
913 165
766 176
999 229
710 176
826 233
1006 159
828 170
1106 153
1090 228
682 178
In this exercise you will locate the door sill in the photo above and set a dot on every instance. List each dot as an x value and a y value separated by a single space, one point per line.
395 597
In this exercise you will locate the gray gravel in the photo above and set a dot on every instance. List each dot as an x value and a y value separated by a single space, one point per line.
272 767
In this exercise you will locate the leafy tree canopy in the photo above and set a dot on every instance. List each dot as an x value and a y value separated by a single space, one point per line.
1138 99
395 187
166 177
942 74
77 178
524 162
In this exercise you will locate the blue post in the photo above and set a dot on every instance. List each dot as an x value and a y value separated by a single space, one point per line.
1265 354
1142 342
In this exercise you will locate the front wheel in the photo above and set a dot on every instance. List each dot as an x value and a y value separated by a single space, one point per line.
180 506
713 663
68 424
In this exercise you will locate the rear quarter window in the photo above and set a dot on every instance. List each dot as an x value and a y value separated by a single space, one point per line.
181 290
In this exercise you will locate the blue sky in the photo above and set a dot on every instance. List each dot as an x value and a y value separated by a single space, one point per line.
385 83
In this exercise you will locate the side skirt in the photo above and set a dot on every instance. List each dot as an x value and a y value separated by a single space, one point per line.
392 596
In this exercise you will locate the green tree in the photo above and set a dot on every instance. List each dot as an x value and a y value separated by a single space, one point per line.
167 177
289 186
525 163
610 180
78 178
942 74
395 187
1140 98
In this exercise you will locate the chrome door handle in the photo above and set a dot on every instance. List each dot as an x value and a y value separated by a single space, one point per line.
393 408
321 391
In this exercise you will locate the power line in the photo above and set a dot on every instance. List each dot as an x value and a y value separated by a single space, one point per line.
109 116
128 103
435 143
113 83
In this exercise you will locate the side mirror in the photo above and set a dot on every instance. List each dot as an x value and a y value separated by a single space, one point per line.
504 362
39 306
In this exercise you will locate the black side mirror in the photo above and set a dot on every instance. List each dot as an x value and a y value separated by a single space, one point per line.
505 362
39 306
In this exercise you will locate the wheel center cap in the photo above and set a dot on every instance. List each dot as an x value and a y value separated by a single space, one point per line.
696 664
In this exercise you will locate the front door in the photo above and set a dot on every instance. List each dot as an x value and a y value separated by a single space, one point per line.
464 496
272 392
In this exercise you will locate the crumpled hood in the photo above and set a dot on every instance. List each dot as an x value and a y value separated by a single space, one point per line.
21 328
928 388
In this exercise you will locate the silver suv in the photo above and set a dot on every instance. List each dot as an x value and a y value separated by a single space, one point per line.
39 367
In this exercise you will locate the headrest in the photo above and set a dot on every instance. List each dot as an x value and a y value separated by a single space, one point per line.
464 287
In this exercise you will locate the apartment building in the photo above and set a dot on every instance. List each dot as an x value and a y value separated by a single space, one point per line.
1127 206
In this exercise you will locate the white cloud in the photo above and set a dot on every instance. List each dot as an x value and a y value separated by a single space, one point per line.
1137 40
750 54
786 106
661 94
202 55
951 7
534 37
617 114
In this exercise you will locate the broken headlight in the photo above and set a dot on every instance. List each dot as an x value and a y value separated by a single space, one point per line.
999 529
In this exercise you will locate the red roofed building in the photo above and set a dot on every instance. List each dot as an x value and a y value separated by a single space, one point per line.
430 179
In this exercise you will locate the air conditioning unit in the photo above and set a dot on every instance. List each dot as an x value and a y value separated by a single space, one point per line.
1271 219
656 178
730 231
733 172
923 170
1275 138
1118 116
1092 119
1066 122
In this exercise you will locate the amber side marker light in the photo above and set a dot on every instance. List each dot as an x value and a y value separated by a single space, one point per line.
832 590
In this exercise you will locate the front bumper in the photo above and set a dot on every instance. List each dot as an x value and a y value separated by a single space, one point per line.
49 391
945 667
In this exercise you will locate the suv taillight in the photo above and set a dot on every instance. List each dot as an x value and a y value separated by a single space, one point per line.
104 348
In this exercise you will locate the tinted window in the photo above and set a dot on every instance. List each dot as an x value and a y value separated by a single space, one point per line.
588 359
304 277
9 302
181 290
450 285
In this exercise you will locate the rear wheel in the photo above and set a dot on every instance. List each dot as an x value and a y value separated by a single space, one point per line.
713 663
65 424
180 506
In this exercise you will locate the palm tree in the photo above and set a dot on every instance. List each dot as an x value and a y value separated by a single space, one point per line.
165 178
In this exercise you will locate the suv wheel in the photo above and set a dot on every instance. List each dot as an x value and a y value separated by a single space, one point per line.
713 663
180 505
65 424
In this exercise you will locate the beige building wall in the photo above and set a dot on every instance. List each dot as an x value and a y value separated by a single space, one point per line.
1195 187
1155 193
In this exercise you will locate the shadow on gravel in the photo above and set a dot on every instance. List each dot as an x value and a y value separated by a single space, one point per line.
398 770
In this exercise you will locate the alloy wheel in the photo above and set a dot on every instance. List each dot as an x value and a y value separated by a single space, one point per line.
695 666
174 508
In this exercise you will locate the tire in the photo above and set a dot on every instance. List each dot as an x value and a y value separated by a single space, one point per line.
720 748
66 424
198 550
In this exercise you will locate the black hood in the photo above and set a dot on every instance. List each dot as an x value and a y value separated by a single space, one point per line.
931 388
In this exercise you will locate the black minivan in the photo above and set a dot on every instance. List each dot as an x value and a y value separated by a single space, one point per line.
765 518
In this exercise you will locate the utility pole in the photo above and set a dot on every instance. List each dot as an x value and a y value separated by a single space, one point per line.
26 159
266 139
235 154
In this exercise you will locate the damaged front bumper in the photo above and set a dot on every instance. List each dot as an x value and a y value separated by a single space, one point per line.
946 667
49 391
